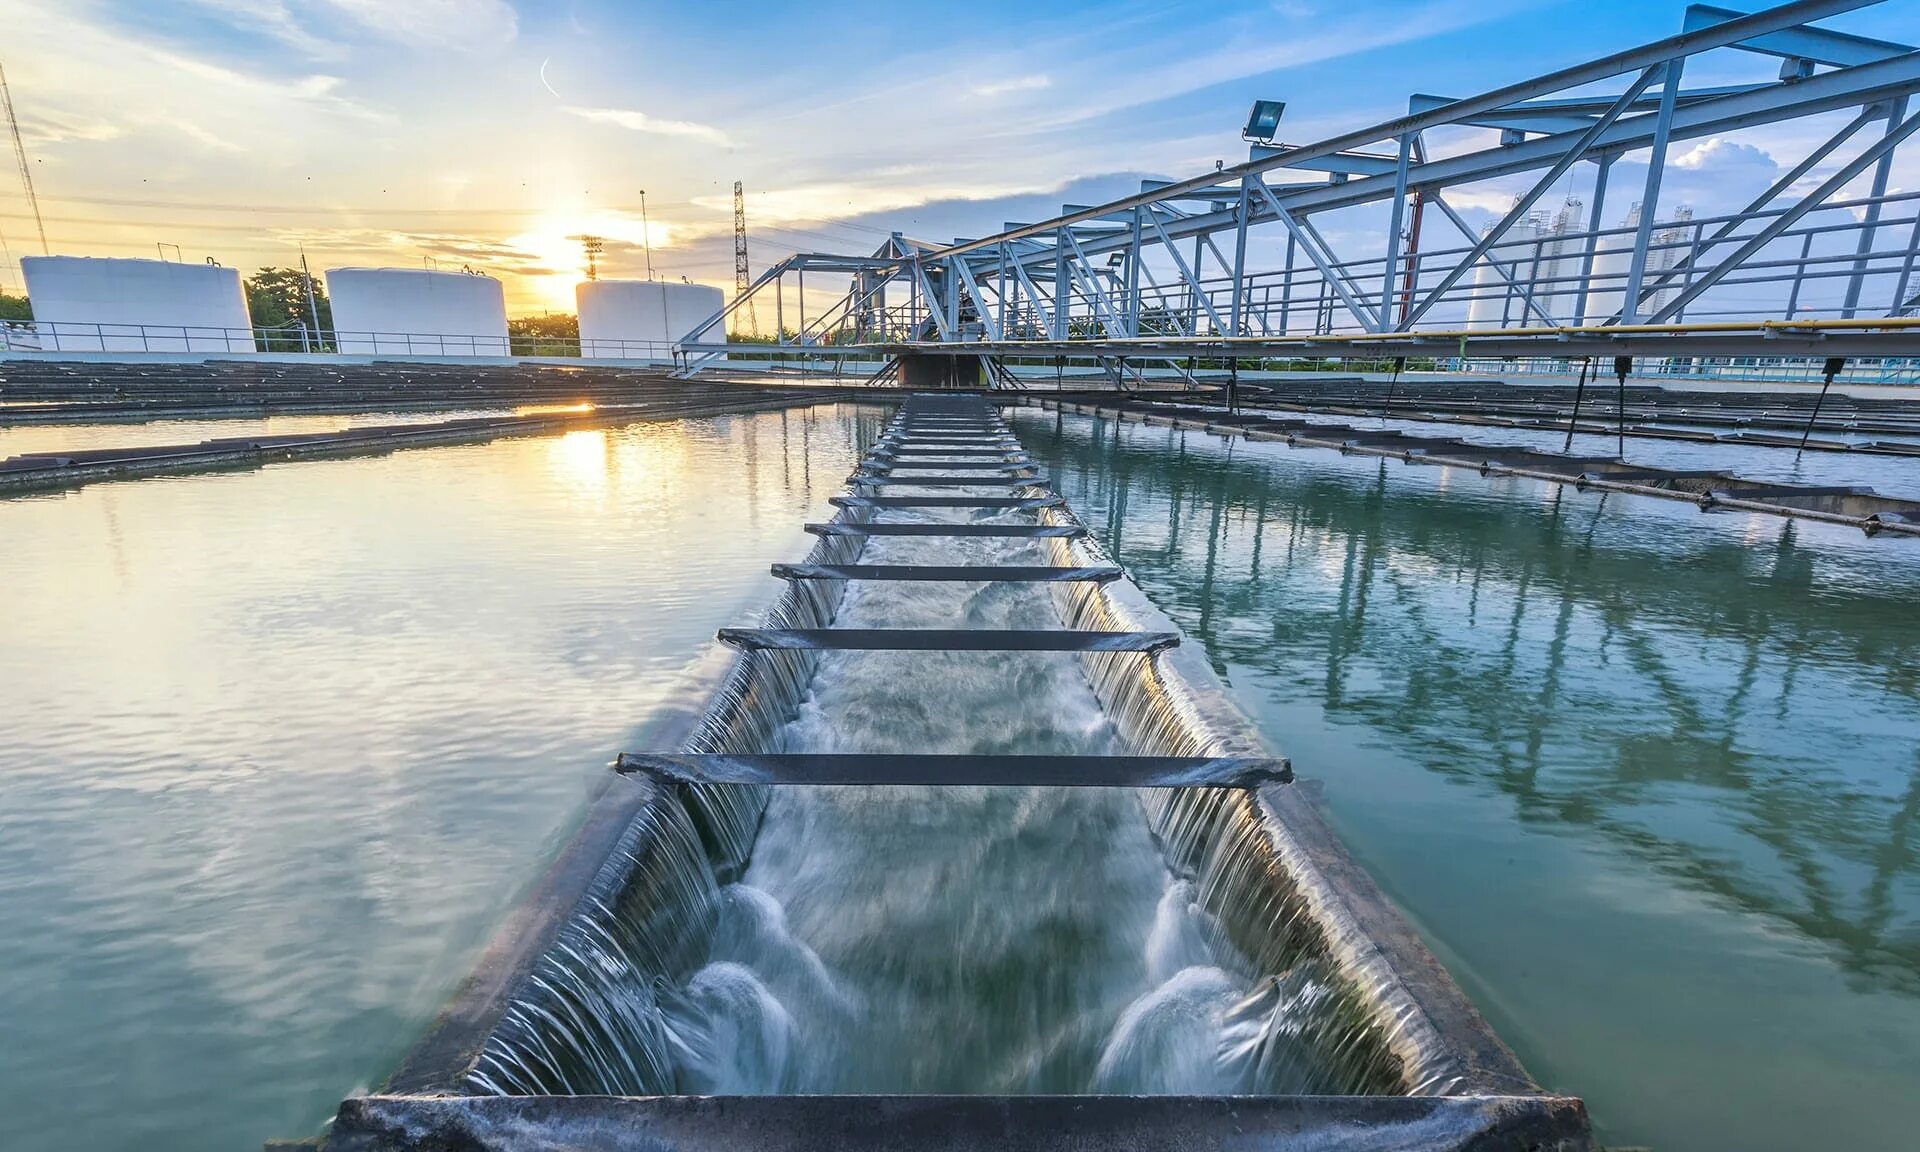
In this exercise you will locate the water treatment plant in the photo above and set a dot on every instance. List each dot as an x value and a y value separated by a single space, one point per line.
1408 640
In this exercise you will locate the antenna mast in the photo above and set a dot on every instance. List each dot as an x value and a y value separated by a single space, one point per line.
26 174
646 233
741 276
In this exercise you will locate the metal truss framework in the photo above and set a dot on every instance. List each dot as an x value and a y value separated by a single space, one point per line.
1236 260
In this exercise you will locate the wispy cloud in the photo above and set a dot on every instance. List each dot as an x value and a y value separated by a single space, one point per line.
636 121
1017 84
814 203
276 20
467 25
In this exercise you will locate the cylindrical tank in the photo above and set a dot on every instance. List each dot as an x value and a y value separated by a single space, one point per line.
108 304
1495 304
1612 259
638 319
412 311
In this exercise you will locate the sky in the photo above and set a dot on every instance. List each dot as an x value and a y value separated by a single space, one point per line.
492 134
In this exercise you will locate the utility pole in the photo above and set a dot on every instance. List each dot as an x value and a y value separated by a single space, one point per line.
646 233
741 277
20 154
313 305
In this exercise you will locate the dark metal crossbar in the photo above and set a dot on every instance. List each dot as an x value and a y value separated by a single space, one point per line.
1022 531
1011 573
878 769
956 465
1007 503
953 481
948 639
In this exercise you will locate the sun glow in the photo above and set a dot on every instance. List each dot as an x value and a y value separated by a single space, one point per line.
558 261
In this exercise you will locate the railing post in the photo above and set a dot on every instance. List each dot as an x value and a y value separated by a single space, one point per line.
1241 211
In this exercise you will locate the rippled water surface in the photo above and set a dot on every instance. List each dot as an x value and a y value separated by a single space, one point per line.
16 439
1646 778
280 746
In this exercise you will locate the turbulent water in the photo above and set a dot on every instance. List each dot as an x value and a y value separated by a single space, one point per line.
955 939
940 939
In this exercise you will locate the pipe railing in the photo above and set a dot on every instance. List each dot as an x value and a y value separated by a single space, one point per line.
28 336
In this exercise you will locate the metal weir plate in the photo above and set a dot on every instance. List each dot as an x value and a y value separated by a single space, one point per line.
1099 574
961 770
949 639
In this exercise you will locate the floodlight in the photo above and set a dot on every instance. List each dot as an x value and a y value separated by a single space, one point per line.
1264 121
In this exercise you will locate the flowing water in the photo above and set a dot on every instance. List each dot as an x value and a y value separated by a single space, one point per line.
281 745
919 939
1646 779
949 939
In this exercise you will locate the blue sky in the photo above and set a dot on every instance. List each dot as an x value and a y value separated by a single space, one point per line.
489 133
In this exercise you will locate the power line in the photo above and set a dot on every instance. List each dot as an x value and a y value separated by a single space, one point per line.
20 153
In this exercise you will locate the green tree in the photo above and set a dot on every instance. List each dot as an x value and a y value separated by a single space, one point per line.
277 298
15 307
548 334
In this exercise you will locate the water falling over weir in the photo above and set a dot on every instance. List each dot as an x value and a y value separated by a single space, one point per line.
975 937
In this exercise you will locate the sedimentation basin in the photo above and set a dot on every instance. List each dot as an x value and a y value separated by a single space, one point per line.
962 849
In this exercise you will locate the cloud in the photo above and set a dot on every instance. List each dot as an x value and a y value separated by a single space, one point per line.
1017 84
468 25
496 256
635 121
836 201
276 20
203 137
1717 152
55 128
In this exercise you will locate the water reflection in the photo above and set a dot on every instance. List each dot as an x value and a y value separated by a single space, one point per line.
281 745
1729 704
1593 669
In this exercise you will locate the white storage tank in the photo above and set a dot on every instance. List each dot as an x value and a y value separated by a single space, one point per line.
109 304
1494 303
639 319
1612 260
416 312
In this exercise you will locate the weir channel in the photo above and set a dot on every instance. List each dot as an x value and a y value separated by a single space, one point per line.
962 850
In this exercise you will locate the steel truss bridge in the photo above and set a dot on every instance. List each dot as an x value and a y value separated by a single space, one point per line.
1356 246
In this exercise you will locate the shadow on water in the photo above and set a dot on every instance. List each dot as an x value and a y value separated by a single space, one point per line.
1739 709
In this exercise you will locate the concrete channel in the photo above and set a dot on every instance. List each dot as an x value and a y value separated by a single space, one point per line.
546 1044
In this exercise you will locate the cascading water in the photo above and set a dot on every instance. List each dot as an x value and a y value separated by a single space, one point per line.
749 940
